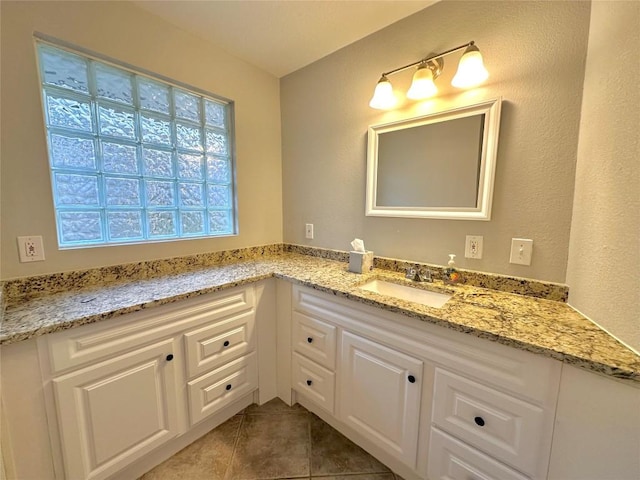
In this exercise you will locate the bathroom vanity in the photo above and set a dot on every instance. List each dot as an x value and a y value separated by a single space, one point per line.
97 384
436 401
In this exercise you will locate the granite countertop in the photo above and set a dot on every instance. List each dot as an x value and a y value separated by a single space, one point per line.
547 327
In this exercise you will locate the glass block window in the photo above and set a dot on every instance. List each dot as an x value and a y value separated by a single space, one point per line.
133 158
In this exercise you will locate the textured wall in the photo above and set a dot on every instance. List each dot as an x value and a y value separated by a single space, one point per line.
127 33
604 252
535 52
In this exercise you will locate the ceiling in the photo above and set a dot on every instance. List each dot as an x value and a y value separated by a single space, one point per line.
281 36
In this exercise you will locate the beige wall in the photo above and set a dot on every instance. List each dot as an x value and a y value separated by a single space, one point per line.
129 34
604 252
535 52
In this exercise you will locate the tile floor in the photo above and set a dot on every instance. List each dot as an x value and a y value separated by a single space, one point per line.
273 441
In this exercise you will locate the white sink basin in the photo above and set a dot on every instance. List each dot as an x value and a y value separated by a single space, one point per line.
410 294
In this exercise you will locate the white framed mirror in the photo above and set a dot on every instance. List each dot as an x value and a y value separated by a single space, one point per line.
440 165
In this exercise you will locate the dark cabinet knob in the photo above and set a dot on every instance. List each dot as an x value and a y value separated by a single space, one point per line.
309 382
479 421
226 343
411 379
169 357
309 339
228 387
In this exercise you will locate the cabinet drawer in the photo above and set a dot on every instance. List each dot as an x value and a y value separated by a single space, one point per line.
82 345
451 459
216 389
313 381
503 426
214 345
314 339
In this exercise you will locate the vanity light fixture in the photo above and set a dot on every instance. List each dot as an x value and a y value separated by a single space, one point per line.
471 72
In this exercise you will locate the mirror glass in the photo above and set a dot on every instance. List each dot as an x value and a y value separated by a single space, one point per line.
440 165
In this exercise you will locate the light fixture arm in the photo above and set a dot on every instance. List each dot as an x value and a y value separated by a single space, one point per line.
428 59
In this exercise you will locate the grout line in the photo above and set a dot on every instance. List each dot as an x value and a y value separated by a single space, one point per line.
309 434
227 470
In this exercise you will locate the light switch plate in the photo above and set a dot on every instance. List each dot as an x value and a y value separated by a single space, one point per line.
521 250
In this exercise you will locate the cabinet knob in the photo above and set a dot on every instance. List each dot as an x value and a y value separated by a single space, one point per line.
411 379
309 382
226 343
228 387
479 421
309 339
169 357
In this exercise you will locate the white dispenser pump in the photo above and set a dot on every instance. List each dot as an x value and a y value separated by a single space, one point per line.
451 275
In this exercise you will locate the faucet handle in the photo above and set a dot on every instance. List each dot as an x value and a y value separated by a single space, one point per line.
419 274
425 275
412 273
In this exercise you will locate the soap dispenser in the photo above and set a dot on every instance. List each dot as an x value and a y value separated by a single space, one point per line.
451 275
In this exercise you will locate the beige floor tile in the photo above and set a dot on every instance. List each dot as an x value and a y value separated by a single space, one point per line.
272 441
205 459
271 446
334 454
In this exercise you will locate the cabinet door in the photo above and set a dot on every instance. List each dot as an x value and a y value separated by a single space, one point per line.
380 391
116 411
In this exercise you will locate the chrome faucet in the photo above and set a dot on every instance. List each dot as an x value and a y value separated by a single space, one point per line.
419 274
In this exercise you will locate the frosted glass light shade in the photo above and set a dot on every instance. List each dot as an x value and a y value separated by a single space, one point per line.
383 96
471 71
422 85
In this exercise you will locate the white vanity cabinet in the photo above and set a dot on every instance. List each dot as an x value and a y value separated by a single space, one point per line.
597 428
370 387
121 388
380 390
122 395
113 412
430 402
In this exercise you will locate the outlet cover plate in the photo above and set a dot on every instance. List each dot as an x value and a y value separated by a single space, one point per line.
308 230
30 249
473 246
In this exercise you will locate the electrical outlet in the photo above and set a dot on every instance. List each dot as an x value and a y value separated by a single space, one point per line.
31 249
521 250
473 247
308 230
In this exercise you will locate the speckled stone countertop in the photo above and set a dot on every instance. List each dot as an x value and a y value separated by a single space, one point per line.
538 325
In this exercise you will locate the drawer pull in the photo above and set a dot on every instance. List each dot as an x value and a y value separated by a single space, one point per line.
479 421
169 357
228 387
309 339
411 379
226 343
309 382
